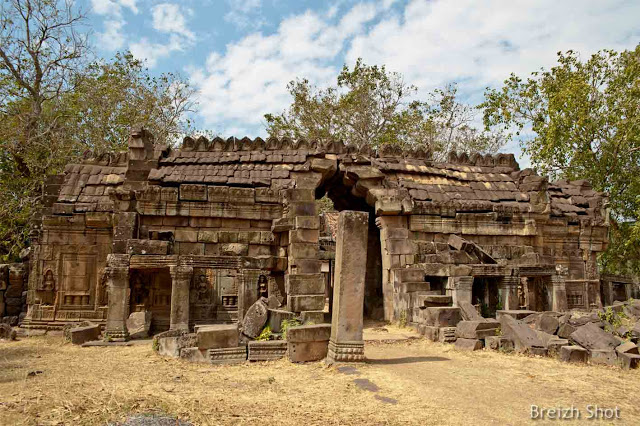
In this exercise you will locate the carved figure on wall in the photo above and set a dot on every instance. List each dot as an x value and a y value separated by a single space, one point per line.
263 286
139 290
200 290
101 289
48 288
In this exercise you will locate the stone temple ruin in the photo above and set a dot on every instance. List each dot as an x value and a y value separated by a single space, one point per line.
225 232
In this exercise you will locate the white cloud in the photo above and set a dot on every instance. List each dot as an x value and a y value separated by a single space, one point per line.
245 13
152 52
113 7
112 37
168 18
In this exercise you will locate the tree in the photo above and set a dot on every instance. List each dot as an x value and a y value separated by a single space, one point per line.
370 105
55 105
585 122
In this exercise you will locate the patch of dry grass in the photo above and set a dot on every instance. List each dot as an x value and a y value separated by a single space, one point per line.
432 383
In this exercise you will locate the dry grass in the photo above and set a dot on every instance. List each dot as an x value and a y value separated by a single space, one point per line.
432 383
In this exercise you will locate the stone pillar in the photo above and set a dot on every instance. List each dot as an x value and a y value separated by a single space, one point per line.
459 288
180 284
117 274
559 303
608 292
346 343
508 290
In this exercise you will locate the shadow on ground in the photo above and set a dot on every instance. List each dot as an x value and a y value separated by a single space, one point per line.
405 360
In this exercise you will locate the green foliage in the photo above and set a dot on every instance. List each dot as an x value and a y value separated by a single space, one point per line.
585 119
372 106
266 334
155 345
286 324
403 320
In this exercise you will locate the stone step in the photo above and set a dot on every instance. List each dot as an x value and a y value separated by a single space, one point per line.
432 300
411 286
403 275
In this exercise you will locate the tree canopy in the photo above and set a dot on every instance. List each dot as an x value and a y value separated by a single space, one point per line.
581 120
372 106
56 104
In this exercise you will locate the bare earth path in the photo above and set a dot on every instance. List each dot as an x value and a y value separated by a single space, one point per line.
415 382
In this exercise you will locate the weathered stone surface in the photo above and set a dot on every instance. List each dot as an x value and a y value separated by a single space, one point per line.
313 302
574 354
547 323
469 312
139 324
194 355
217 336
236 355
499 343
443 316
307 351
476 329
469 344
565 330
522 336
429 332
553 345
309 333
590 336
255 319
270 350
447 334
518 314
603 357
80 335
629 361
276 316
7 332
627 348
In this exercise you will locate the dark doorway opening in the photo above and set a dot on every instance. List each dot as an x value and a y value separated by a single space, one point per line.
151 291
485 295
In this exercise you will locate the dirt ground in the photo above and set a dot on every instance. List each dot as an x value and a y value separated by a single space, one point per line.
46 382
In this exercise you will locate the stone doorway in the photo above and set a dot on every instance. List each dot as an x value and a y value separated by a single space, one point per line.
343 198
151 291
485 295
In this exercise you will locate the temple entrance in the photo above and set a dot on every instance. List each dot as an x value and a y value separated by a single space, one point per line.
342 198
485 295
151 291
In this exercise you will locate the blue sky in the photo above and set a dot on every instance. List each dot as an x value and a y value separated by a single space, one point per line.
240 54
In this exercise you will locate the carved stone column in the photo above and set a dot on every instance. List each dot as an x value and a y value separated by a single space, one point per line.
346 343
508 290
117 275
180 284
559 303
459 288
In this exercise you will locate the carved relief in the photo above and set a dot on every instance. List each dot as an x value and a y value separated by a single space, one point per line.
48 288
139 289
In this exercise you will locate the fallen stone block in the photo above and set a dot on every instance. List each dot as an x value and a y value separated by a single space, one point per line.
217 336
469 312
139 324
447 334
469 344
554 345
590 336
547 323
171 342
80 335
436 300
6 332
443 316
627 348
573 354
194 355
309 333
476 329
235 355
498 343
515 314
308 342
255 319
538 351
270 350
603 357
522 336
565 330
276 316
629 361
429 332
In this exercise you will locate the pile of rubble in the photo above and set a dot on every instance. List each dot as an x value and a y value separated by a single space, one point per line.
607 336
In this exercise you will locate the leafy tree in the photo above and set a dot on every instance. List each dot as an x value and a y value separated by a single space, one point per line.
370 105
584 118
55 105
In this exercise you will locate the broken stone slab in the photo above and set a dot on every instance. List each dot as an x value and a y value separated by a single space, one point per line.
270 350
603 357
447 334
516 314
499 343
469 344
522 336
312 317
309 333
629 361
139 324
590 336
627 348
80 335
432 300
469 312
308 342
476 329
565 330
223 356
574 354
276 316
538 351
217 336
545 337
554 345
7 332
66 329
429 332
547 323
171 342
443 316
194 355
255 319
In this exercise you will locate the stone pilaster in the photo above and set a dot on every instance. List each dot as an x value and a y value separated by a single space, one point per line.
559 285
180 285
346 343
459 288
117 275
508 290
